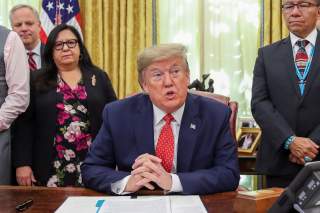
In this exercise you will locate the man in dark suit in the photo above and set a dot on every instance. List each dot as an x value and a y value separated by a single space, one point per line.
166 138
285 96
25 21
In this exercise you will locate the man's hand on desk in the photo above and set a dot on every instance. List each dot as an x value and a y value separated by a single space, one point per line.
303 147
132 185
25 176
149 167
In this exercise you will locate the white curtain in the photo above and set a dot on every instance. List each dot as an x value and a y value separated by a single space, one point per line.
6 5
179 22
222 39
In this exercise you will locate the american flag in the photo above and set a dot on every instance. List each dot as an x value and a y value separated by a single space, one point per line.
56 12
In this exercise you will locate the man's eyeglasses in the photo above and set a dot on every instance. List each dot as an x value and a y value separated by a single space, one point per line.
72 43
302 6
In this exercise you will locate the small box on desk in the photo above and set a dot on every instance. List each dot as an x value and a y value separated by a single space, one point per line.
256 201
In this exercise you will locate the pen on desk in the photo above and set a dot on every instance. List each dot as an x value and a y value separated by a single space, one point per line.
24 206
99 204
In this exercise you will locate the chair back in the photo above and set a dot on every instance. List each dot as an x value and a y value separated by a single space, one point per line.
233 105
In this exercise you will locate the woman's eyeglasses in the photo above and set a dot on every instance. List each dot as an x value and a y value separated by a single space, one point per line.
72 43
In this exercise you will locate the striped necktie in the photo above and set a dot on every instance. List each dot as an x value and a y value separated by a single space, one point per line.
302 56
31 61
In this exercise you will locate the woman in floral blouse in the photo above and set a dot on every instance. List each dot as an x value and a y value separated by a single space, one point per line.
68 94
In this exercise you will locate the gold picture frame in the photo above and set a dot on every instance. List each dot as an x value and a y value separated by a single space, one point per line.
248 140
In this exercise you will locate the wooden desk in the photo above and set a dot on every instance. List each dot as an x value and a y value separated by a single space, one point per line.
49 199
247 166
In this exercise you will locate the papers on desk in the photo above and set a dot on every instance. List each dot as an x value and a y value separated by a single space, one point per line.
142 204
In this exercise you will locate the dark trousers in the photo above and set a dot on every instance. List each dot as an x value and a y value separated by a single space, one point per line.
279 181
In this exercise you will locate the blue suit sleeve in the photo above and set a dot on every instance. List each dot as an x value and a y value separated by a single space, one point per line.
99 168
223 175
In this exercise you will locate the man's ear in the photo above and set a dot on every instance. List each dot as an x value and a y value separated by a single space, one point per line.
188 76
144 86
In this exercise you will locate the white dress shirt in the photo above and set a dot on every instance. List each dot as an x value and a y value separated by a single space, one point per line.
37 54
17 78
312 37
158 122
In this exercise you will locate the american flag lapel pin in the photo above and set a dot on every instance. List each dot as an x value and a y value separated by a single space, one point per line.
192 126
93 80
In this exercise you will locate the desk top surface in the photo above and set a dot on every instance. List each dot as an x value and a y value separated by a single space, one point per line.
49 199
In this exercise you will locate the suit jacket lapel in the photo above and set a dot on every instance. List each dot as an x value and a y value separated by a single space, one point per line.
314 68
288 59
189 131
42 46
143 125
51 110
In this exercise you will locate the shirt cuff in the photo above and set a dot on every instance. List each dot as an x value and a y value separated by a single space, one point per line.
176 184
119 186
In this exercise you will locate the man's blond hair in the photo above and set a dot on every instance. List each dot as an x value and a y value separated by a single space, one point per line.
158 53
20 6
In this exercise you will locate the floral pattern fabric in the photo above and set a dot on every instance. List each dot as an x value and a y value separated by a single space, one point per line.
72 138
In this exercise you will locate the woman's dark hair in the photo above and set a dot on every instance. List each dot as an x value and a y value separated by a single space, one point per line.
48 77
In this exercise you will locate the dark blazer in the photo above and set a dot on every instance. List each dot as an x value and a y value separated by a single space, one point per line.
35 129
278 107
42 52
207 155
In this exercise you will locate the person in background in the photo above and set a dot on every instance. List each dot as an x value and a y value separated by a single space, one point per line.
165 138
285 96
25 21
14 93
67 98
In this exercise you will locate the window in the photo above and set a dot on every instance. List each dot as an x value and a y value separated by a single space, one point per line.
222 39
5 7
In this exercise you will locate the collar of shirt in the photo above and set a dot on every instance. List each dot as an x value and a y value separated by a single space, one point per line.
158 115
37 54
312 37
36 50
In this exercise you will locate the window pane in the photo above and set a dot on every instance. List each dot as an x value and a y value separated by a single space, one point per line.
179 23
222 38
231 42
5 7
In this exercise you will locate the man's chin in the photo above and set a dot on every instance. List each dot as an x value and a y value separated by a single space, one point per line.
171 106
26 42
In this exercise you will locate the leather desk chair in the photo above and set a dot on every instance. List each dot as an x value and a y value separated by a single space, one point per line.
225 100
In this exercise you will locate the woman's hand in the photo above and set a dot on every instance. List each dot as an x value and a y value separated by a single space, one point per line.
25 176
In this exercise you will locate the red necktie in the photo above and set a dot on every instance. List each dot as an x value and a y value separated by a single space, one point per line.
31 61
302 56
165 145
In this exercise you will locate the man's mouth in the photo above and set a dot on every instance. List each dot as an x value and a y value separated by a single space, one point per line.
295 22
25 36
170 94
